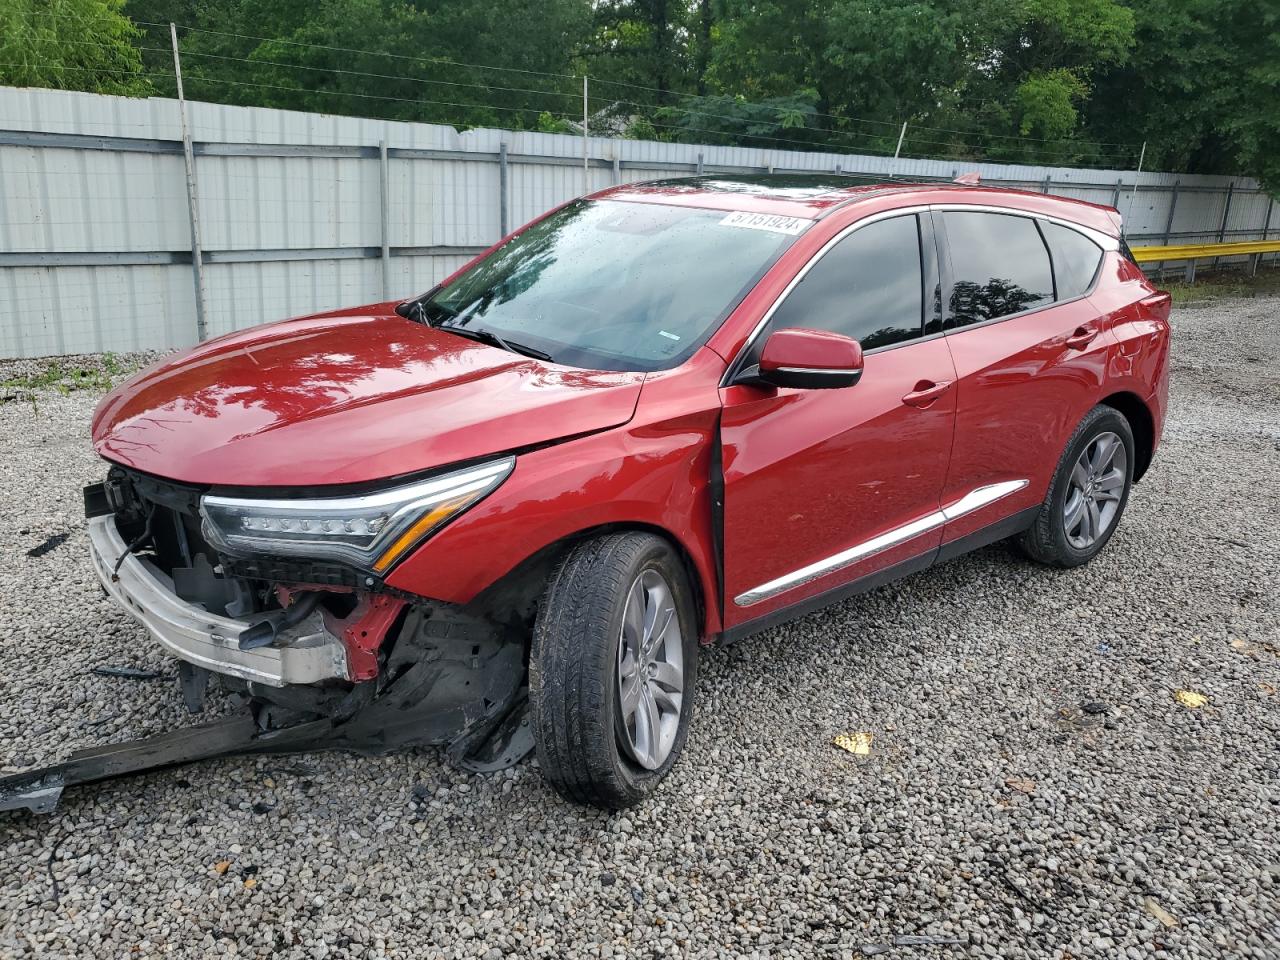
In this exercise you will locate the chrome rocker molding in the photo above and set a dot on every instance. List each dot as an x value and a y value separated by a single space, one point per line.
971 501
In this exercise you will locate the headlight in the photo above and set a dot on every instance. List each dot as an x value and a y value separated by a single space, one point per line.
371 531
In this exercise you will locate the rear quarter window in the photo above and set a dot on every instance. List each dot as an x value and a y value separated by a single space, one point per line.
1075 259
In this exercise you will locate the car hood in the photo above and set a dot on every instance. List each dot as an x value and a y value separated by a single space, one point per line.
346 398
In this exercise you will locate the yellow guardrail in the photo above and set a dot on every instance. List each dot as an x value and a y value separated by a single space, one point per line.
1200 251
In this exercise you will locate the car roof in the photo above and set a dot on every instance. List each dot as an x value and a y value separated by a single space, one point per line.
812 196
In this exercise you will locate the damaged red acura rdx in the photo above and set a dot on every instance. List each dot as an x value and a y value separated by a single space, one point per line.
504 516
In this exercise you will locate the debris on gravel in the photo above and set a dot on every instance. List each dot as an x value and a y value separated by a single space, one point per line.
1034 789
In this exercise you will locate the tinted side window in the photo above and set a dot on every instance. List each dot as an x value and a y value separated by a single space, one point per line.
1075 259
868 286
1000 266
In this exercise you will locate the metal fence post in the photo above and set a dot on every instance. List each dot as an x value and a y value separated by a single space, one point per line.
193 197
1256 260
1266 229
1168 223
1226 212
503 189
384 189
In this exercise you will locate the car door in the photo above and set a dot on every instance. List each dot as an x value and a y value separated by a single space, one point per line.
825 487
1030 354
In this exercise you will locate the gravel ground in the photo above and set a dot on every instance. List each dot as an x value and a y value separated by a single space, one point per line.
1033 787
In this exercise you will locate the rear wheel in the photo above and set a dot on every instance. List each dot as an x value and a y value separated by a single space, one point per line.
612 669
1088 494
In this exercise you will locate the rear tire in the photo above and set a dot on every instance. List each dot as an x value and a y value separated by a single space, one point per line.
588 649
1088 494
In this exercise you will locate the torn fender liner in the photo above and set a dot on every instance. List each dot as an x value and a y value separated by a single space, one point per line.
452 681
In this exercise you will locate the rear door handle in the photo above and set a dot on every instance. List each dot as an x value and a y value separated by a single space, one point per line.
926 392
1081 338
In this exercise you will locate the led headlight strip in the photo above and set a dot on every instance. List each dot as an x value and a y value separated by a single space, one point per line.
371 532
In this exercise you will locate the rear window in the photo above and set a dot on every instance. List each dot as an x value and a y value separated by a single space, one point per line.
1075 259
999 265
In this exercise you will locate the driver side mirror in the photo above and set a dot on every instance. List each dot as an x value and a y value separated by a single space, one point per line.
808 360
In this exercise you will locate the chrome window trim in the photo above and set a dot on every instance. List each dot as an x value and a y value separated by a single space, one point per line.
973 500
905 343
1107 243
954 331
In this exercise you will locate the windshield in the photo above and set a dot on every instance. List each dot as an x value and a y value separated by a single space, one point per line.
613 285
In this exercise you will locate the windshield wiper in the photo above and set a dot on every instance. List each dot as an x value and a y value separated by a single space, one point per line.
494 340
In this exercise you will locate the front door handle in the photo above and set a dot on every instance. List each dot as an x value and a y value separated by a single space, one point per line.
926 392
1081 338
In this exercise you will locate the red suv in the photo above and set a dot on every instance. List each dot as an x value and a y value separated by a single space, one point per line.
505 514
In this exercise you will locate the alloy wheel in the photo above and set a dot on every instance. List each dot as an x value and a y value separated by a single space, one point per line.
1097 484
650 671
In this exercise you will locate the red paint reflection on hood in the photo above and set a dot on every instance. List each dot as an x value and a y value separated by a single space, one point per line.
345 398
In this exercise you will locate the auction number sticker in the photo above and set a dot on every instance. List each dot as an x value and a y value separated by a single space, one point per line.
764 221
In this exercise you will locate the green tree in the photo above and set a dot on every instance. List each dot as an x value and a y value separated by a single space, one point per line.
767 52
464 63
972 77
1040 81
1202 87
642 42
70 45
783 122
1041 59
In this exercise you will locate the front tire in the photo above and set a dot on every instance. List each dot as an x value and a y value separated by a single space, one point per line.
612 669
1088 494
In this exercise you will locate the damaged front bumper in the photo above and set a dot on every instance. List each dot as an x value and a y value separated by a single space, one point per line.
309 655
444 677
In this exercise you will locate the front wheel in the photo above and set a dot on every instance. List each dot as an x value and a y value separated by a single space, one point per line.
1088 494
612 669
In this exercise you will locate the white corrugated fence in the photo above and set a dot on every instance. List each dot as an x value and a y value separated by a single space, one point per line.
95 236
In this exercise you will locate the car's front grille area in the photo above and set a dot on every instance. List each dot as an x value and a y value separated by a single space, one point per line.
176 541
158 517
275 570
160 521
